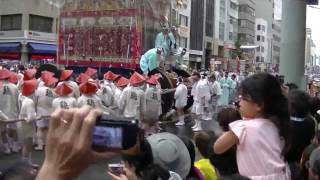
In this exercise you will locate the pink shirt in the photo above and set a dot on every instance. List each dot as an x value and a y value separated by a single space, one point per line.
259 150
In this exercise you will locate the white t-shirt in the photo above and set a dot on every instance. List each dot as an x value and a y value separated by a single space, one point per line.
9 100
181 96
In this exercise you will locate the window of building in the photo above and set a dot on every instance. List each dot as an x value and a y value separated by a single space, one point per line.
258 49
262 59
183 42
230 35
221 30
257 59
183 20
262 48
233 6
242 23
263 28
259 27
262 38
11 22
258 38
40 23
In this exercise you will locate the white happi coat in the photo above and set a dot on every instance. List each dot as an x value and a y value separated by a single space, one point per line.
106 94
181 96
203 95
117 95
9 100
64 102
216 92
153 103
110 84
28 113
75 88
133 102
90 100
44 97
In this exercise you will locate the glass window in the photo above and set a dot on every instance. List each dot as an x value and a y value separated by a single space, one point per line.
263 28
230 35
258 49
259 27
221 30
40 23
258 38
183 20
257 59
183 42
262 38
262 59
262 48
11 22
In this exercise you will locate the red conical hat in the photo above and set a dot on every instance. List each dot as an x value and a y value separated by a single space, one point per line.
137 78
123 82
88 87
29 87
63 90
153 80
50 81
46 74
111 76
90 72
14 78
82 78
29 74
4 74
65 74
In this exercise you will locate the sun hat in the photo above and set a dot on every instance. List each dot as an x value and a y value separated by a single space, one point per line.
29 87
29 74
65 74
4 74
82 78
153 80
91 71
123 82
46 74
63 90
50 81
88 87
136 78
169 151
110 76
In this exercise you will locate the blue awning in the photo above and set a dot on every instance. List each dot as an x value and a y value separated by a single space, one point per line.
9 47
38 48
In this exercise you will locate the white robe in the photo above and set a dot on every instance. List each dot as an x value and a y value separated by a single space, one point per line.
9 100
90 100
117 95
133 102
203 96
44 97
106 94
181 96
64 102
28 113
153 103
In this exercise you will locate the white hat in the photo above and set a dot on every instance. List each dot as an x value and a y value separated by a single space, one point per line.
170 152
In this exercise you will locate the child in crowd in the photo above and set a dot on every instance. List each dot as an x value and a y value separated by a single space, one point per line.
262 139
203 141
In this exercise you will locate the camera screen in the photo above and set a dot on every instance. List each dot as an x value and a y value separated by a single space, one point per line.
107 137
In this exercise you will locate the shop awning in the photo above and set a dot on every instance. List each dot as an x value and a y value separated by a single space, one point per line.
38 48
9 47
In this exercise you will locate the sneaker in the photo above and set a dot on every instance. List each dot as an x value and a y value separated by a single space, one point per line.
195 125
180 123
199 128
39 148
16 147
7 151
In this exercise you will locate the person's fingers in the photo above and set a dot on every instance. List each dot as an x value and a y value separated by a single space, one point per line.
99 157
78 119
114 177
55 120
87 126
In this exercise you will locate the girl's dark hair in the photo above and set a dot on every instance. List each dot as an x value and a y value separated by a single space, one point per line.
226 116
142 160
299 103
154 171
203 141
192 153
264 89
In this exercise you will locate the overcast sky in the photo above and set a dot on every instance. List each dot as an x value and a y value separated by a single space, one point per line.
313 16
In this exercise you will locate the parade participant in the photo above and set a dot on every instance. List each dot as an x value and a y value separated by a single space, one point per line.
92 73
14 78
28 114
66 77
226 84
121 85
29 74
216 92
181 98
195 79
150 60
64 100
9 106
107 90
44 96
166 41
153 105
132 100
233 88
262 139
88 95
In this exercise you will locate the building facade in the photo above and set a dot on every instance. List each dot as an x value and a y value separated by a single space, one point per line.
262 42
28 30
